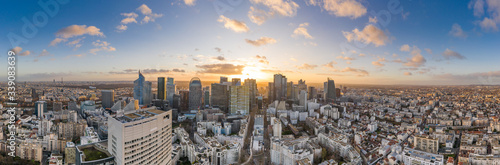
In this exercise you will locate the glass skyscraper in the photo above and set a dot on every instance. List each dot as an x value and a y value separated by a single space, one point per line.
162 92
195 93
142 90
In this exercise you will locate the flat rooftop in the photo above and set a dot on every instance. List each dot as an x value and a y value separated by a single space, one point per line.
139 114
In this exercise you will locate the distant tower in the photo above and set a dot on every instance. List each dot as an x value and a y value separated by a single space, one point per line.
331 95
108 98
40 108
170 90
195 93
142 90
279 87
162 91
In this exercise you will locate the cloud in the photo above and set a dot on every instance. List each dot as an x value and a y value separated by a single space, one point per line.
190 2
370 34
341 8
417 59
378 62
131 17
234 25
428 50
101 46
261 41
18 50
258 16
76 43
488 25
345 58
359 72
63 34
44 53
218 49
302 31
407 73
485 78
121 28
293 59
456 31
280 7
224 69
405 48
220 58
477 6
372 19
450 54
262 59
144 9
148 71
307 66
330 64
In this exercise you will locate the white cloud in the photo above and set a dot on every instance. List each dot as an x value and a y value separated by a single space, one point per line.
286 8
101 46
428 50
302 31
372 20
370 34
456 31
261 41
258 16
450 54
234 25
417 59
405 48
190 2
307 66
341 8
131 17
488 24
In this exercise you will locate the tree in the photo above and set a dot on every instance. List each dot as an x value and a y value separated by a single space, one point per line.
323 154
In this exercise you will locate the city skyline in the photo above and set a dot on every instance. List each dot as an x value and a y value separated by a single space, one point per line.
421 44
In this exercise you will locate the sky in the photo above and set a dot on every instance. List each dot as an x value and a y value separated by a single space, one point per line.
386 42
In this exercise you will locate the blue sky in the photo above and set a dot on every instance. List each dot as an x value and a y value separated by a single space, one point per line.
424 42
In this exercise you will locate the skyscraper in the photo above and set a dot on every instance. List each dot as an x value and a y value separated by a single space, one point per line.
223 79
312 92
170 90
236 82
289 90
270 92
331 95
206 96
108 98
143 136
195 93
142 90
34 95
220 97
239 100
280 87
252 89
40 108
184 100
162 91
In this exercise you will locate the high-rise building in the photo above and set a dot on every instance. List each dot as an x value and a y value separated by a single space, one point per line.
252 89
280 87
277 128
195 93
331 95
312 92
40 108
184 100
239 100
303 98
108 98
236 82
34 95
206 96
270 92
220 97
162 91
223 79
142 90
170 90
141 137
289 90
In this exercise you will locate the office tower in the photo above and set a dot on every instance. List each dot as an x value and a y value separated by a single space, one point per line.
34 95
141 137
279 87
252 89
337 92
270 92
176 101
312 93
40 108
220 97
289 90
331 91
56 106
277 128
303 98
223 79
302 85
184 100
162 91
170 90
195 93
206 96
142 90
239 99
296 92
325 91
108 98
236 82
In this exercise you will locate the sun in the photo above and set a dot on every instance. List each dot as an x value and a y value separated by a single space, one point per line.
250 72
